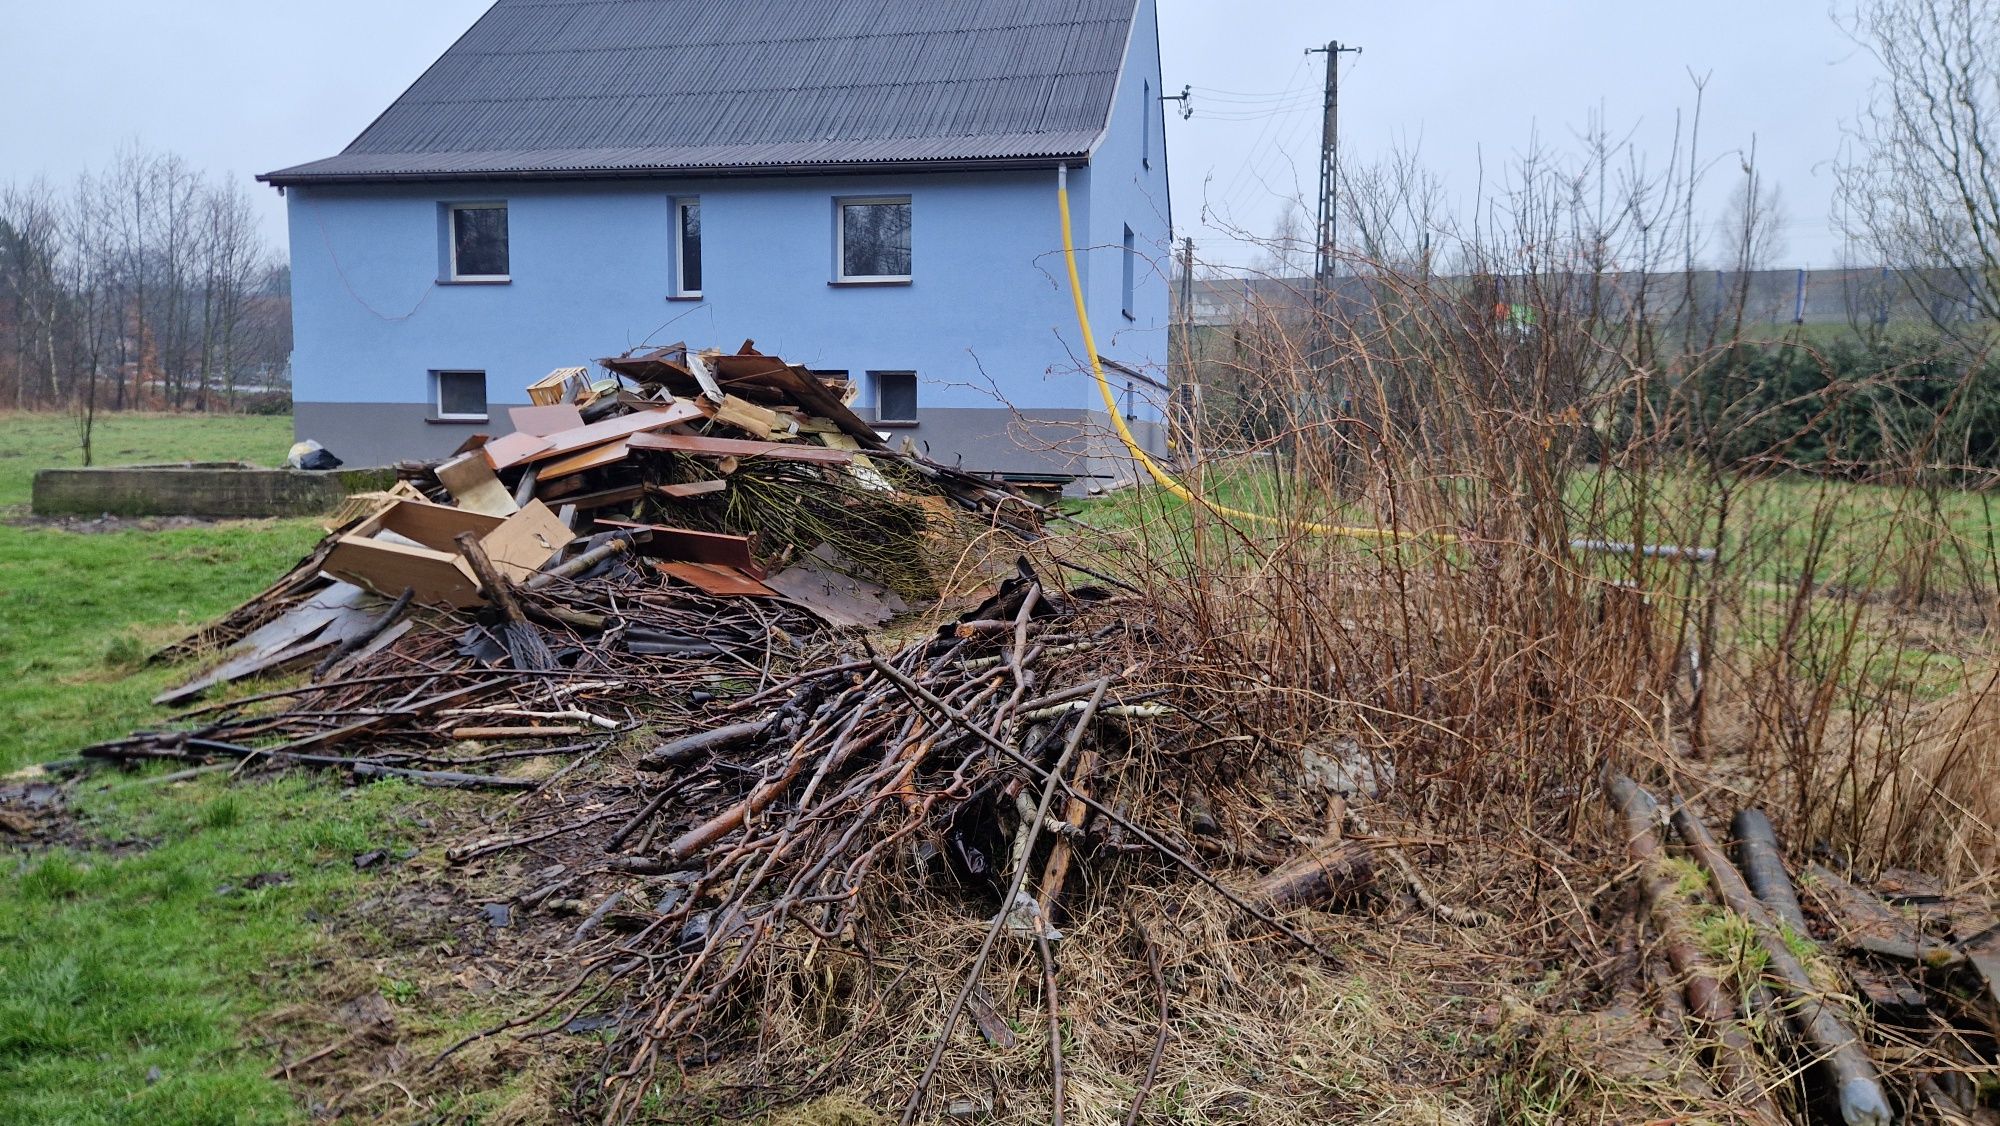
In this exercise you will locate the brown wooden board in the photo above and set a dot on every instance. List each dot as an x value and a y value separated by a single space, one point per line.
689 546
510 450
610 453
470 480
687 489
545 421
710 579
431 565
738 447
612 429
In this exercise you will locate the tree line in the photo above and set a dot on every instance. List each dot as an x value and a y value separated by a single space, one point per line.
147 285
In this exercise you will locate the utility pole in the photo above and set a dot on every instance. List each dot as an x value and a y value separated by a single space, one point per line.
1185 392
1324 264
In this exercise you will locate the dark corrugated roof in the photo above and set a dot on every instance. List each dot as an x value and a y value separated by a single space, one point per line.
631 87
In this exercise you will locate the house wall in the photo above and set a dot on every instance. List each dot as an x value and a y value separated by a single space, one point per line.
985 323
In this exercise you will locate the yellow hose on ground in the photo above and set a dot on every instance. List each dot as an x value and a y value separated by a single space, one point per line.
1160 475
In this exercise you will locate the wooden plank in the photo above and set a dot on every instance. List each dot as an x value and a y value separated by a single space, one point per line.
470 480
611 429
510 450
545 421
747 416
701 446
689 546
710 579
432 525
687 489
610 453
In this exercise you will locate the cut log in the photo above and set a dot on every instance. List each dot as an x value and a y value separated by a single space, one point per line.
1333 873
1764 867
666 756
1857 1085
1738 1077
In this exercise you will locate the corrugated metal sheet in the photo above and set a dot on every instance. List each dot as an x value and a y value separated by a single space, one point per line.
610 87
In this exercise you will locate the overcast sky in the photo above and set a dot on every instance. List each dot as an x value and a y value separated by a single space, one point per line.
245 87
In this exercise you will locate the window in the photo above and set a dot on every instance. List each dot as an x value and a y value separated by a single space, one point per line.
460 395
687 246
1129 278
478 242
895 396
874 239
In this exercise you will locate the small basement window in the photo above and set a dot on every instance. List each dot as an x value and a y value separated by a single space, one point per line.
873 237
895 396
687 247
478 242
459 396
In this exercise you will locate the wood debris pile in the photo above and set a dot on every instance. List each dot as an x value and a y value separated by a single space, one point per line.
1820 999
688 518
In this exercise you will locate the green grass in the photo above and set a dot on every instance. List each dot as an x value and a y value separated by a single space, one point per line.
113 964
37 440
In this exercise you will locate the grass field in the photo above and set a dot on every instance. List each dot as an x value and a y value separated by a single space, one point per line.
126 975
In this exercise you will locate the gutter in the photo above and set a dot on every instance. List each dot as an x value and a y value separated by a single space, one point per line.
284 179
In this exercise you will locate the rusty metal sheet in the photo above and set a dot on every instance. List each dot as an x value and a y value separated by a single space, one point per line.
840 599
710 579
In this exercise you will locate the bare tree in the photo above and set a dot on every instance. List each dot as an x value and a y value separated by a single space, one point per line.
1920 182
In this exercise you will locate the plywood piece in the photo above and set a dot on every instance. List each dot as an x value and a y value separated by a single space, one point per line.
701 446
689 546
381 566
426 560
510 450
543 421
610 453
723 581
612 429
526 541
470 480
688 489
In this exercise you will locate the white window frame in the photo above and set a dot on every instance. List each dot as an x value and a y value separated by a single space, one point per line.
451 240
437 395
681 204
840 206
915 400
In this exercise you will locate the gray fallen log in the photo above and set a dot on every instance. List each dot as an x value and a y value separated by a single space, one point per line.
666 756
1857 1085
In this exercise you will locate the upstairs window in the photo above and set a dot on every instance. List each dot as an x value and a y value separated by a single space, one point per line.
687 247
874 239
478 242
460 395
895 396
1130 276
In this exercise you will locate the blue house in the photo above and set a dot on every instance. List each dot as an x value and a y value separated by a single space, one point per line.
864 187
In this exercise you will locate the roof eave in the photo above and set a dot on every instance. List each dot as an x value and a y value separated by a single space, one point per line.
289 177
